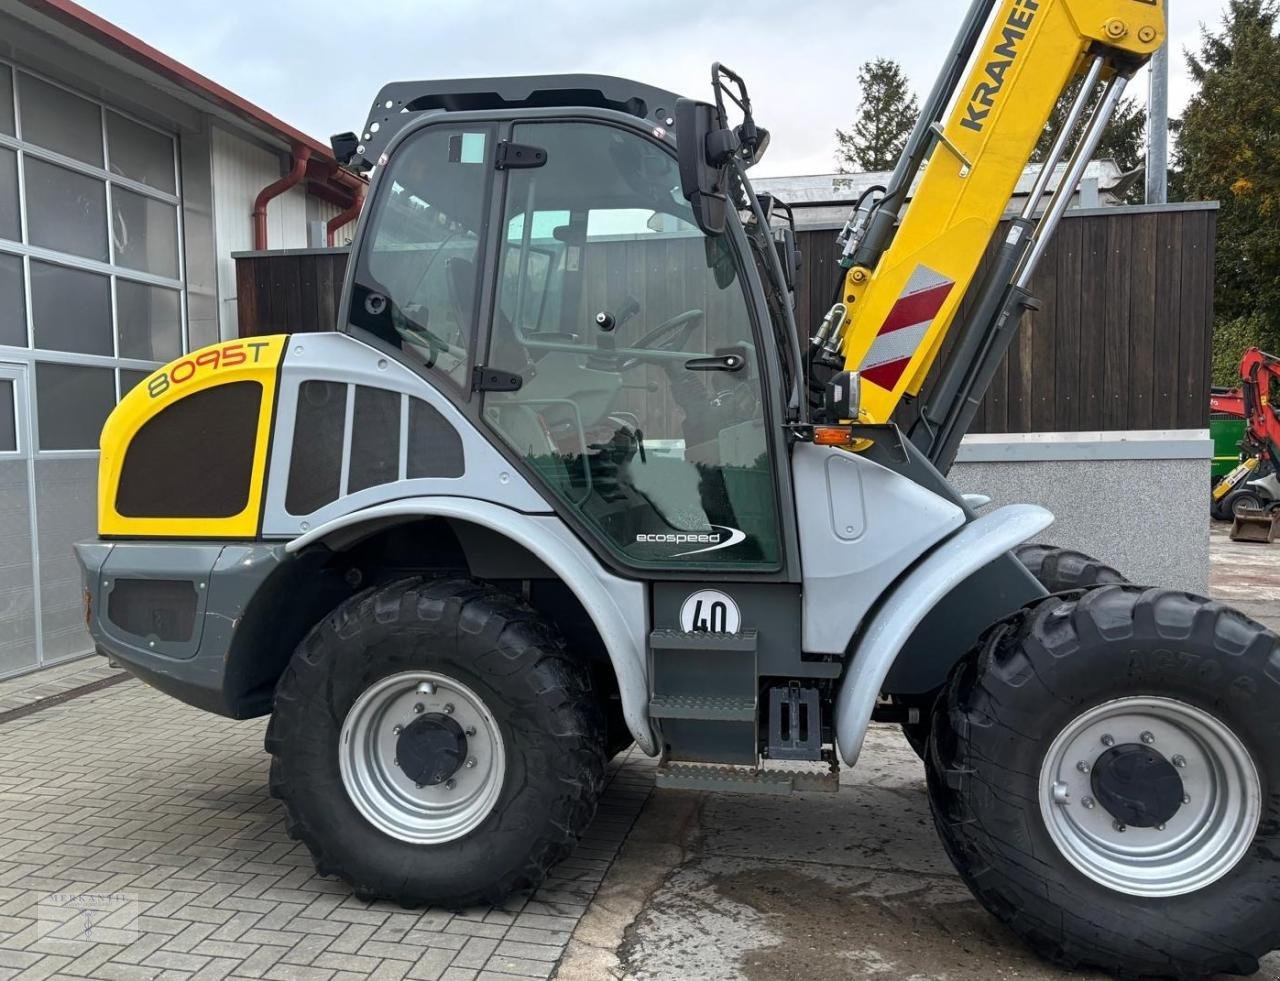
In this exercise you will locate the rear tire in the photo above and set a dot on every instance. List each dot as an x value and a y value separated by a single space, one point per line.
485 674
1058 570
1239 500
1205 898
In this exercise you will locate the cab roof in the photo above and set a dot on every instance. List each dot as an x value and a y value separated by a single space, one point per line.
398 103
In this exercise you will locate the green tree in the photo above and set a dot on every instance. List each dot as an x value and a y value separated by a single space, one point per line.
1228 150
1124 140
887 112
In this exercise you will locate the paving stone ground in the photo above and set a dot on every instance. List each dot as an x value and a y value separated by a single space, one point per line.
51 682
137 841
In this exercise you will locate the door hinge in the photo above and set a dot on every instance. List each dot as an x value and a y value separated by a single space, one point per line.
513 156
494 380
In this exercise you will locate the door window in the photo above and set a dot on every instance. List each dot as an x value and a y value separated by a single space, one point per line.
417 280
621 319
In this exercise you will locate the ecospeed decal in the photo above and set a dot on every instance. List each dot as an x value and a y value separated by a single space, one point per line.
725 537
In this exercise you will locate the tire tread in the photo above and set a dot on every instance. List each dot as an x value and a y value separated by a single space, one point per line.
518 642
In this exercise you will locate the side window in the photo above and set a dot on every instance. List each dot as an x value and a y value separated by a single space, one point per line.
641 405
418 275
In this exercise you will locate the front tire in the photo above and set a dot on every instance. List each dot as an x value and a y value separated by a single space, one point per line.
1054 796
433 743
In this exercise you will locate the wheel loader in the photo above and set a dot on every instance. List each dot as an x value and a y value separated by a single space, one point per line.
569 476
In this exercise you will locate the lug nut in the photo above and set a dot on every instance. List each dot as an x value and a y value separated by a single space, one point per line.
1088 803
448 709
1159 827
426 688
1147 738
395 762
418 785
1108 741
470 730
1120 827
1179 761
450 784
469 764
417 709
396 730
1186 798
1082 766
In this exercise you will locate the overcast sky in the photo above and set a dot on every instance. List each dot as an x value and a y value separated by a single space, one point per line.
318 63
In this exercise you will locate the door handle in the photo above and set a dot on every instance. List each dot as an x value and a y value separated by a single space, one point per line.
720 362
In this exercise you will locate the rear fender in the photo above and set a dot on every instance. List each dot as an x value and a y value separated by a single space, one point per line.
618 607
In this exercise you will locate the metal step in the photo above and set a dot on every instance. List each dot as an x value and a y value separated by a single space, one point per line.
678 640
745 780
709 708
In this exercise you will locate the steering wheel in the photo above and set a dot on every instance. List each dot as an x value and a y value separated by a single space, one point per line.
670 335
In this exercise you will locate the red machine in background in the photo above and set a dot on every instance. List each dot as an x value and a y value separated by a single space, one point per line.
1253 486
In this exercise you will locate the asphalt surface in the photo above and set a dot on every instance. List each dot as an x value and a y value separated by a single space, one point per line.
722 887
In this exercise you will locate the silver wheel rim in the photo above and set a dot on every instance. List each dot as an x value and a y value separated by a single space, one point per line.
1210 833
384 794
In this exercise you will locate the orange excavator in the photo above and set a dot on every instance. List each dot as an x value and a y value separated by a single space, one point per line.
1254 485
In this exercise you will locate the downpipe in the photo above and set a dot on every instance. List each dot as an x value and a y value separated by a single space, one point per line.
297 169
971 548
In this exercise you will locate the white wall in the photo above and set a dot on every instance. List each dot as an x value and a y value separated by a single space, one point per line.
240 170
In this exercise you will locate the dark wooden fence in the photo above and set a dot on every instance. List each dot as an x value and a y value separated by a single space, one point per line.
289 291
1122 340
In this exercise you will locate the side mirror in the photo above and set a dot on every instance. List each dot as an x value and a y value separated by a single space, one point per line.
785 243
702 148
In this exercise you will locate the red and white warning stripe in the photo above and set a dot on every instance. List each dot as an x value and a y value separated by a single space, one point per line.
906 326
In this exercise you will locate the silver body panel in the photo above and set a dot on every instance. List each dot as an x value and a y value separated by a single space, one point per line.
911 600
341 358
861 527
618 607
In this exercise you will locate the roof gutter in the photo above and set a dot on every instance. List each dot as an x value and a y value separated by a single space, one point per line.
297 170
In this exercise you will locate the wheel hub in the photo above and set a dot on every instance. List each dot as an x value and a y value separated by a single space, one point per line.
1137 786
1150 796
431 749
422 757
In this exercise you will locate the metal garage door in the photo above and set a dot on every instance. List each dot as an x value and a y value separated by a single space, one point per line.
19 616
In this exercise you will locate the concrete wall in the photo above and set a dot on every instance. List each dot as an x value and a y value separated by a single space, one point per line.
1136 500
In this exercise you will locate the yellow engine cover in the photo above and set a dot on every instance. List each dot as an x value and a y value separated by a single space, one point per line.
255 360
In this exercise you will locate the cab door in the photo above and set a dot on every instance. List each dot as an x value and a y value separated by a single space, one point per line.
640 404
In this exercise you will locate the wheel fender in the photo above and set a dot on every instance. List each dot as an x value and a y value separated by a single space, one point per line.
617 607
903 608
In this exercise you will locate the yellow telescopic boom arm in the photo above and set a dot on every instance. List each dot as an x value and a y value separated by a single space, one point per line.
911 264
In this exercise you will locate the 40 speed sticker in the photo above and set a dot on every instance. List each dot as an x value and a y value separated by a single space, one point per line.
710 611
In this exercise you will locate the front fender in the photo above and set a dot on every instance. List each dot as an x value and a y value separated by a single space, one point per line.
902 610
618 607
